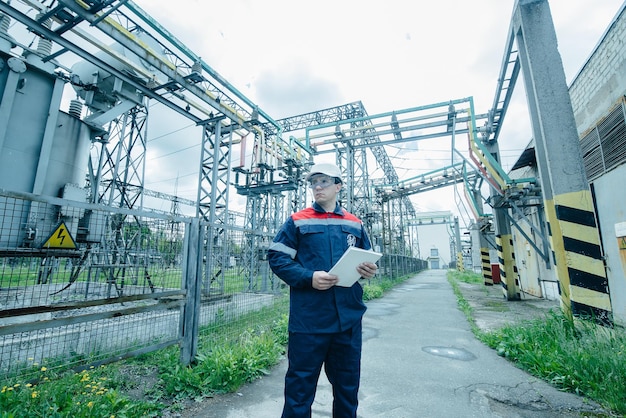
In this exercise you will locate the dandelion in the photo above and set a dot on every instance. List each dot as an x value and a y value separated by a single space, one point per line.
33 395
90 404
29 385
17 385
30 359
43 369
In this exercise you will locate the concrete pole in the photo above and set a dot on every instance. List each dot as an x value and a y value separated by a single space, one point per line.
568 201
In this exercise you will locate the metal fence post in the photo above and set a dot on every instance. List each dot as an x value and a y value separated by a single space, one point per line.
191 308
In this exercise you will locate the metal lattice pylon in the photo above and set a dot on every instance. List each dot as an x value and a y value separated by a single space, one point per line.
213 191
117 168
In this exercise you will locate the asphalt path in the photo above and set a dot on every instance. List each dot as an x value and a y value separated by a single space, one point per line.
420 359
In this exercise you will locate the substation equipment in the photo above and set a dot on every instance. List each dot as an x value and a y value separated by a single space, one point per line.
95 152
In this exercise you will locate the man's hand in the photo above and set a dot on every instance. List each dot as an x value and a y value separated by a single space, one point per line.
367 270
323 281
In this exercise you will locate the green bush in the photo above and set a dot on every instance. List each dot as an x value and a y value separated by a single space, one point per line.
578 356
372 291
466 276
224 365
376 288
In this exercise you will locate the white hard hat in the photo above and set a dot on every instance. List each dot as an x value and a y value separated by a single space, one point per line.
330 170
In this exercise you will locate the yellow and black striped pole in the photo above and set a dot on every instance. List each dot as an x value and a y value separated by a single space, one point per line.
508 269
460 265
573 230
486 266
459 262
504 239
578 256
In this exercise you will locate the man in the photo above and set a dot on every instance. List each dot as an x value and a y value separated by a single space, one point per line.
324 319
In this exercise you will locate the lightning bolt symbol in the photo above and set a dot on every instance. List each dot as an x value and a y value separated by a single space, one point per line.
61 235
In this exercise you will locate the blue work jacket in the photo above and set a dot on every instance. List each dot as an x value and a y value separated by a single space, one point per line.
312 240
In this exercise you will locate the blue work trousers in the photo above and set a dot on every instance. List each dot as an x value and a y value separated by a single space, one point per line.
340 353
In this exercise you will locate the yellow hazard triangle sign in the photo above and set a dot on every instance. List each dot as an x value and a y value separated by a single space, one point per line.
60 238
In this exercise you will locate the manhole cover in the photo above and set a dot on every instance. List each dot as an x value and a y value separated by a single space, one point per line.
450 352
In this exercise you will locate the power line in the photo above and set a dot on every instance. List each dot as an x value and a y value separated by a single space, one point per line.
174 152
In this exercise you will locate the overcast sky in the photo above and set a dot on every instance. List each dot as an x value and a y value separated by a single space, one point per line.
292 57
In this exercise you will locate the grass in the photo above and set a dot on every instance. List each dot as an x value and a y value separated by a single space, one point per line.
26 274
230 354
576 355
454 277
84 394
147 385
224 364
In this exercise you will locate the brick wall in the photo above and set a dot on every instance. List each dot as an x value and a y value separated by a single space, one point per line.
602 80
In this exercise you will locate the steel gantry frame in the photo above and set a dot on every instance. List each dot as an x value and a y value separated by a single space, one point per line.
121 165
373 133
351 157
276 168
352 169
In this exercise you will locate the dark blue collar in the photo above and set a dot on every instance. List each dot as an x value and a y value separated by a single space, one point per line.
337 211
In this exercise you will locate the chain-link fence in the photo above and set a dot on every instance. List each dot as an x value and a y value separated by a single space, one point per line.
236 280
84 284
